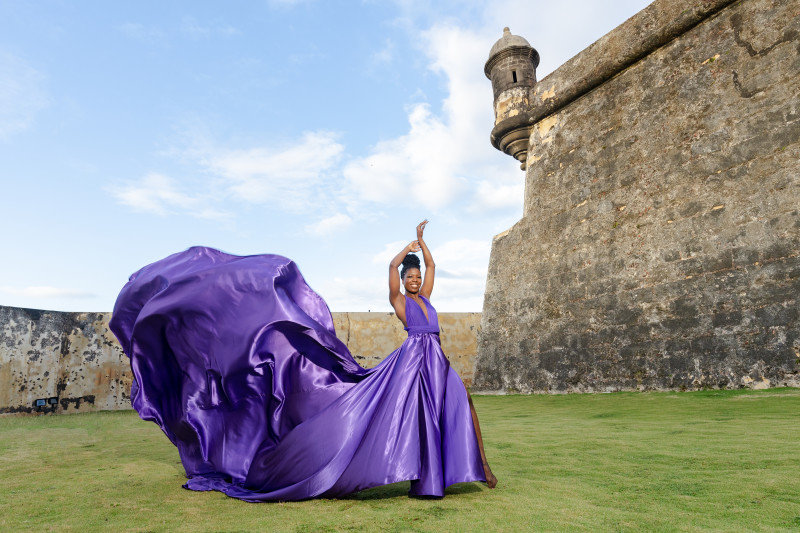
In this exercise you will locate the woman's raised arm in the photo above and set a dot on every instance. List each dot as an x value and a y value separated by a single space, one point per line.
430 266
395 298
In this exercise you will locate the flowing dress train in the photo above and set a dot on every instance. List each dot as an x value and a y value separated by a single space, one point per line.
237 361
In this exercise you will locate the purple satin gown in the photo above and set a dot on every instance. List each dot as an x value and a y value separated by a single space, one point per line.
236 359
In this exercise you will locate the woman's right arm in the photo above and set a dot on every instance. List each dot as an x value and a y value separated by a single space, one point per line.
395 298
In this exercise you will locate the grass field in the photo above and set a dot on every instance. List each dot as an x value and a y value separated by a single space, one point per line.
714 460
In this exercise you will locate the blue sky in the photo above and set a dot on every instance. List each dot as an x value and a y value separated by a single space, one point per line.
322 131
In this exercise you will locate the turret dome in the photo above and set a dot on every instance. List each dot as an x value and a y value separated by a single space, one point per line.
507 46
508 41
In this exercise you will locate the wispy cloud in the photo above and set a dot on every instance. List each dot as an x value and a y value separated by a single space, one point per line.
291 175
196 30
491 195
459 285
465 258
383 55
145 34
47 292
189 27
390 250
351 293
418 165
22 95
461 278
158 194
287 3
330 225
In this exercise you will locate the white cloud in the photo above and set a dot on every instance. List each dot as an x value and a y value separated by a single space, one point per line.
191 27
460 275
356 293
330 225
47 292
459 295
287 3
385 54
389 251
418 166
443 157
157 193
139 32
461 266
463 258
291 175
21 95
491 195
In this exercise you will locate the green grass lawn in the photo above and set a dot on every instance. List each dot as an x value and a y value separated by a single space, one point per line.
715 460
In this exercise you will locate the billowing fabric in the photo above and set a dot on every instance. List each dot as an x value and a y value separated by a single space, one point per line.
236 359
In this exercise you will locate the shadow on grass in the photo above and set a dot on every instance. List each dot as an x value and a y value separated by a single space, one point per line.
400 490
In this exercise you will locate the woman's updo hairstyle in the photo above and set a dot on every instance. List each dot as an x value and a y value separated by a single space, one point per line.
409 261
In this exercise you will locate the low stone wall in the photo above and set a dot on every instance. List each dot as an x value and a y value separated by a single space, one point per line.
74 363
71 358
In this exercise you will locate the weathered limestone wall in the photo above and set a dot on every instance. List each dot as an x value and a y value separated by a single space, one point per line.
660 242
74 357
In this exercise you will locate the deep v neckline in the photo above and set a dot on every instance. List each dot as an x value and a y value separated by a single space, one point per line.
423 309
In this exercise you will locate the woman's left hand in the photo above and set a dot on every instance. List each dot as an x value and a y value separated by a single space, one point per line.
421 228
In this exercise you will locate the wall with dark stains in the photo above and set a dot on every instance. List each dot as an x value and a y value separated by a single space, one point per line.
660 241
74 358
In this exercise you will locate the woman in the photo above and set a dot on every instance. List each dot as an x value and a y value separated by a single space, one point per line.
237 360
418 290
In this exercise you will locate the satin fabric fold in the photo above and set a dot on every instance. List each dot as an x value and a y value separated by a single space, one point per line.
236 359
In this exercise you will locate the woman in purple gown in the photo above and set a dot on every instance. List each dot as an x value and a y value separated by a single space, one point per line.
237 361
418 290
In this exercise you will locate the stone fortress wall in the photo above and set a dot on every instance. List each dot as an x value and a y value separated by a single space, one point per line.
75 360
660 242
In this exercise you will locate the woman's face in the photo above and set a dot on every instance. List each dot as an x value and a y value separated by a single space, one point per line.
412 281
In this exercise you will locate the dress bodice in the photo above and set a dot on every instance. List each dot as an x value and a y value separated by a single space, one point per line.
415 317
